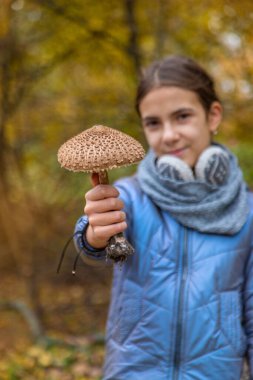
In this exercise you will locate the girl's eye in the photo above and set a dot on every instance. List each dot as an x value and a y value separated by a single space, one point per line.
151 123
183 116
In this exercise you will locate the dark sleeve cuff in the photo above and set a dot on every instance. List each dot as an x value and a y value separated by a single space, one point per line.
81 242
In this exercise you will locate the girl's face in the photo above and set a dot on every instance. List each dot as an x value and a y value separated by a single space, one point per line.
176 123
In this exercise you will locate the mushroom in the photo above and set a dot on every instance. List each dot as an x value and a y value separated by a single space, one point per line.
96 150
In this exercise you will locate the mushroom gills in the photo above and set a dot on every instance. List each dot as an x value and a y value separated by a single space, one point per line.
118 248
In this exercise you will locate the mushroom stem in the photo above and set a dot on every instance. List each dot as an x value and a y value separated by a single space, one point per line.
103 177
118 248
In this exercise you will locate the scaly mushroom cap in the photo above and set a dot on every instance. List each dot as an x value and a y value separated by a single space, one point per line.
99 148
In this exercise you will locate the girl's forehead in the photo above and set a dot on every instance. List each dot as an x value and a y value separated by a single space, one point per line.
170 91
170 97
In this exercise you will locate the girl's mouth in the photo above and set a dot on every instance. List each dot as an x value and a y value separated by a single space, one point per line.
177 152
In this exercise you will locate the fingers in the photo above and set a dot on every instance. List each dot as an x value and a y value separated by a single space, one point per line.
98 236
102 206
105 232
104 210
106 219
101 192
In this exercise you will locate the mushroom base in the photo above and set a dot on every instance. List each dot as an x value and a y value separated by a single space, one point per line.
118 248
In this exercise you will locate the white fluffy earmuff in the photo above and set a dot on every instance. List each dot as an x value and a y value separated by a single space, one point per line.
211 167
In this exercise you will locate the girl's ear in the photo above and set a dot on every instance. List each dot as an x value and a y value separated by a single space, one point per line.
215 116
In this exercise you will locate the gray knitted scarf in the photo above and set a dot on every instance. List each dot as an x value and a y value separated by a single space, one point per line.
196 204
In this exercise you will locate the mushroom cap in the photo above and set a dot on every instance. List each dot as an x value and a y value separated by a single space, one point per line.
99 148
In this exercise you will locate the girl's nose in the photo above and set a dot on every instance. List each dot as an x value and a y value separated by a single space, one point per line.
170 133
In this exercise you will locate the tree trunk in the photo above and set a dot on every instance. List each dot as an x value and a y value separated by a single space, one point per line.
133 44
160 28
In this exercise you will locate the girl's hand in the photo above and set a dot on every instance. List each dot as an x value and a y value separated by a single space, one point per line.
104 210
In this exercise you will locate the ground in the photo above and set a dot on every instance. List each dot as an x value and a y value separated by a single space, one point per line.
74 318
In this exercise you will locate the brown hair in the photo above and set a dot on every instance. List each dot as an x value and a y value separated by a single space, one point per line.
181 72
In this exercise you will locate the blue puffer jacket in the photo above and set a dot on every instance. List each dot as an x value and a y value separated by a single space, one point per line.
182 305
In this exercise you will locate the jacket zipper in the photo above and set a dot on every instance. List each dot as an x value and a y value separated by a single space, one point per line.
179 315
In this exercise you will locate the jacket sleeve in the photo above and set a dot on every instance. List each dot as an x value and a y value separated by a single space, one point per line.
248 309
91 255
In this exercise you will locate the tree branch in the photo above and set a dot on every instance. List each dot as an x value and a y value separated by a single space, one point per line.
29 316
61 11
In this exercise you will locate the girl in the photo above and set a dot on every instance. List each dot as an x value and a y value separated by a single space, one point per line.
182 305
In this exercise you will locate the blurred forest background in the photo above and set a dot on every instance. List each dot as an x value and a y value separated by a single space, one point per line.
65 66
